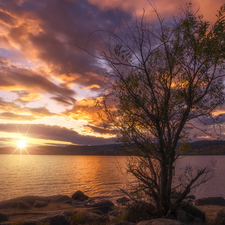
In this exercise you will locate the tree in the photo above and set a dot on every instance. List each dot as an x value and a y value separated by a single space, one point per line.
163 77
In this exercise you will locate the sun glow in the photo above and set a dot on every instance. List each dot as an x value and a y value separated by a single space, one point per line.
21 144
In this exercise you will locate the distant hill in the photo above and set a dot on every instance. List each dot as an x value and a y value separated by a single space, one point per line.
195 148
67 150
206 148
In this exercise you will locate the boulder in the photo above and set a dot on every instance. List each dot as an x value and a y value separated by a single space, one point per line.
190 197
3 217
79 195
102 203
55 219
115 213
86 217
69 201
78 203
210 201
187 218
124 222
39 204
160 222
138 211
102 210
123 200
58 199
20 205
220 217
29 199
194 211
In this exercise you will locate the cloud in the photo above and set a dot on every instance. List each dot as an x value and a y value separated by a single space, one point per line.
64 101
38 58
7 19
16 116
84 109
47 30
54 133
13 111
25 79
99 130
25 97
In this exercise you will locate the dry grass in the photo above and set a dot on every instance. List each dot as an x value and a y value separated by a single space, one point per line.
210 212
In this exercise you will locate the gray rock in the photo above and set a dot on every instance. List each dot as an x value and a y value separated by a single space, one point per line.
194 211
89 217
102 209
190 197
160 222
29 199
187 218
124 222
69 201
39 204
20 205
210 201
123 200
115 213
78 203
58 199
56 219
102 203
79 195
3 217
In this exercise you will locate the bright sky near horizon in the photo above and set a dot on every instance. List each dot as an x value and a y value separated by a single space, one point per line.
47 86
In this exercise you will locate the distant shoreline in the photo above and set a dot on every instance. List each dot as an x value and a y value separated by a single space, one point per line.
194 149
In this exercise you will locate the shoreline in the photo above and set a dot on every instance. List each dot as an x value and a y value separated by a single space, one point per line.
64 206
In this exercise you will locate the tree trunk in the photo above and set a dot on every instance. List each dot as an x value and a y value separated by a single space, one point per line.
164 200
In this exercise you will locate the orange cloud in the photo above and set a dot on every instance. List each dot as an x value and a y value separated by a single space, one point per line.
85 110
31 97
164 7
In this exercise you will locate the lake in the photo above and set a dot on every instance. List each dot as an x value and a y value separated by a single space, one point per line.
46 175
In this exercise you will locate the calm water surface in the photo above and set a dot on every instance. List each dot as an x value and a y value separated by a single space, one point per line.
95 175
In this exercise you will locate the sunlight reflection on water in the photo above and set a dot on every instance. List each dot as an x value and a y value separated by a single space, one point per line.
95 175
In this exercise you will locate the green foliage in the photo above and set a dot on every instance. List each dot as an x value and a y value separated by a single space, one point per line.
165 78
18 222
77 218
121 217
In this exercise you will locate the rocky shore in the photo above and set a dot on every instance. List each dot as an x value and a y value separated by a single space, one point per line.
81 209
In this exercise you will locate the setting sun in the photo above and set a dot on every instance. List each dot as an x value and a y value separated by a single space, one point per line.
21 144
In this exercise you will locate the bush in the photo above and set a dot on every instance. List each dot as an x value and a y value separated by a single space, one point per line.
77 218
136 212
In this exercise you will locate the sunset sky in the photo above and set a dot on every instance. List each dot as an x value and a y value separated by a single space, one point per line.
47 85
